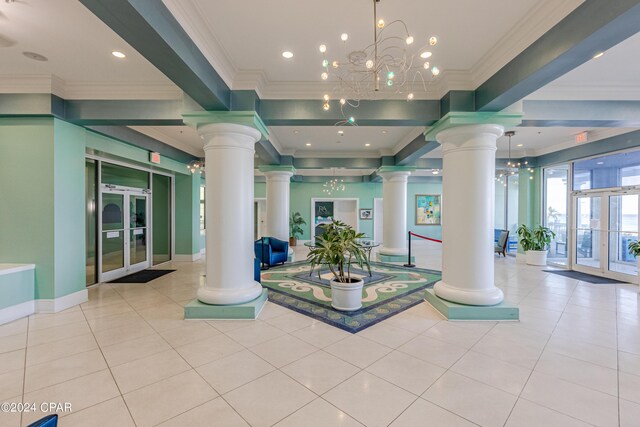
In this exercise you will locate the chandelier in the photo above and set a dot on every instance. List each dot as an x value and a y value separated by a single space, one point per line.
512 166
391 64
333 185
196 165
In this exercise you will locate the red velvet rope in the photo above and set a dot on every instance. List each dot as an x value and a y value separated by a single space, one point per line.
423 237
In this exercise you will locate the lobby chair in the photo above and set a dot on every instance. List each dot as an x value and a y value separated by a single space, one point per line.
48 421
503 240
271 251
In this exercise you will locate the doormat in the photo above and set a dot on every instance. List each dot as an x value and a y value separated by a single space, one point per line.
584 277
389 290
143 276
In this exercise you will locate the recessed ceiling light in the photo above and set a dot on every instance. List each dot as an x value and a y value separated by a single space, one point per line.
598 55
296 131
425 55
340 132
385 131
520 145
287 54
600 163
435 171
308 144
35 56
118 54
367 145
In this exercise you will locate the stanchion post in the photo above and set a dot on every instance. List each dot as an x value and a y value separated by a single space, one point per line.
408 264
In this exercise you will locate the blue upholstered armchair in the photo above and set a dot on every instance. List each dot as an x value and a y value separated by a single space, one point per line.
271 251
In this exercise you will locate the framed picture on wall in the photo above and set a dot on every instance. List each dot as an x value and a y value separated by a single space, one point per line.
366 213
428 209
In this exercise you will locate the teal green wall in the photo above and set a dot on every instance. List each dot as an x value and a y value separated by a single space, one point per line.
529 198
16 288
27 208
413 189
161 218
302 193
187 214
69 208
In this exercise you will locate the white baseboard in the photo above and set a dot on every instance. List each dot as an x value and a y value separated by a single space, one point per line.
62 303
187 258
15 312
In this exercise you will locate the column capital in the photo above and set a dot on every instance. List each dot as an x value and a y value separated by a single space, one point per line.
273 171
199 119
460 119
395 172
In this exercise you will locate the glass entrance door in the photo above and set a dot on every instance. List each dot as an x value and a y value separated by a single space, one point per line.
604 225
124 231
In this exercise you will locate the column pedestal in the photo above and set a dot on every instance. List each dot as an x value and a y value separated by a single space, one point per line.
394 221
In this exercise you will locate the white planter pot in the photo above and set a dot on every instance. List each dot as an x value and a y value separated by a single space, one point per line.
346 296
536 257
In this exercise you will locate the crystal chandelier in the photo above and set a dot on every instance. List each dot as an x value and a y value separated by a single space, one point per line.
391 64
333 185
196 165
512 166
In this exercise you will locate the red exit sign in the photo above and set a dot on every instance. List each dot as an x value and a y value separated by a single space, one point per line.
581 138
154 157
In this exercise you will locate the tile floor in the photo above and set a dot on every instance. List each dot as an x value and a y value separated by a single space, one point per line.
126 358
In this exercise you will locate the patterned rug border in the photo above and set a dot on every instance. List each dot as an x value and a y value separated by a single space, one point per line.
412 295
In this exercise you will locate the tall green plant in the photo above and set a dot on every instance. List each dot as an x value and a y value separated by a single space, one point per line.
295 223
338 247
634 248
536 238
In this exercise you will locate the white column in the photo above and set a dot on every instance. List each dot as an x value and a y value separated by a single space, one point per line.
468 203
394 221
229 154
278 204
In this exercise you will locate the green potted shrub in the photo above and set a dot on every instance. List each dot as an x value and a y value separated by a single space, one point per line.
338 248
535 243
295 229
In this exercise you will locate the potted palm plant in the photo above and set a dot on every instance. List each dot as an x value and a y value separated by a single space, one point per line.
338 248
295 229
535 243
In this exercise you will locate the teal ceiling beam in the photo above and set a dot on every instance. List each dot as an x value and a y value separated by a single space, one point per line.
125 113
31 104
581 113
593 27
458 100
428 164
149 27
132 137
306 112
245 100
596 148
267 153
340 162
414 150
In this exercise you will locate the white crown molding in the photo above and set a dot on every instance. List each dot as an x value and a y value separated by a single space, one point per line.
158 134
195 23
542 17
87 90
250 80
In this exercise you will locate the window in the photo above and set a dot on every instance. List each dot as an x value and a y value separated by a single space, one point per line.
613 170
555 213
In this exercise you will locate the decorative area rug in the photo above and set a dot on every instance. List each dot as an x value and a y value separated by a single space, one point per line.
143 276
390 290
584 277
